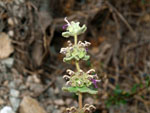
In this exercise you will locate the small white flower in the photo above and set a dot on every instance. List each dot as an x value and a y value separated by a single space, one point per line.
70 72
79 82
67 21
87 43
69 43
66 77
90 76
92 107
90 71
63 50
68 83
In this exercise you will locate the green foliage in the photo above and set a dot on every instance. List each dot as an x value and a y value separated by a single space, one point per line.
80 89
147 81
118 97
134 88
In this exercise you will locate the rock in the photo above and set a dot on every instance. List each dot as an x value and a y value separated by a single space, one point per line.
14 93
8 62
21 1
7 109
15 102
6 47
6 83
1 101
30 105
56 111
12 84
68 101
22 87
32 79
51 93
11 33
50 108
10 21
89 100
60 82
59 102
56 91
37 88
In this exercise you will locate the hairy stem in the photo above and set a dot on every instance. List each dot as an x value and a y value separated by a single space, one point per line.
75 39
77 66
80 100
78 69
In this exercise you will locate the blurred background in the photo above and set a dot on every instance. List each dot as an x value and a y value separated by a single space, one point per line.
31 67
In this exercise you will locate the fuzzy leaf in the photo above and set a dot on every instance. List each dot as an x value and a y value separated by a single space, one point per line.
66 34
86 57
80 89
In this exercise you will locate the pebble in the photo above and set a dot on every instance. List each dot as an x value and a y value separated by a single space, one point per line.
8 62
7 109
12 85
37 88
68 101
14 93
11 33
56 111
56 91
1 101
50 108
15 102
59 102
10 21
22 87
51 93
89 100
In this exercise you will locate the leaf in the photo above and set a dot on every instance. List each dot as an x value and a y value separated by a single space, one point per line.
81 54
66 34
117 91
80 89
86 57
147 81
134 88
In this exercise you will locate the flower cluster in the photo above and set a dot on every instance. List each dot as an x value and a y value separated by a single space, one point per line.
86 109
75 52
81 79
73 29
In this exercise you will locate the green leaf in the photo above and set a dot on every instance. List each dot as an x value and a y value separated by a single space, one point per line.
134 88
147 81
86 57
66 34
118 91
81 54
80 89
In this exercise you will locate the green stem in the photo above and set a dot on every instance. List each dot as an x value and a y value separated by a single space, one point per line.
78 69
75 39
76 62
77 66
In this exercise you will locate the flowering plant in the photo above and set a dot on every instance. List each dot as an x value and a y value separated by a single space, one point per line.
78 81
